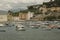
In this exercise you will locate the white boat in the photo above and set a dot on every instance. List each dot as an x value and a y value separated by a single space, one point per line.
20 28
58 26
35 26
1 24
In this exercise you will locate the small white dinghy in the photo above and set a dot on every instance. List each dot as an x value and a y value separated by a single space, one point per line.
1 24
35 26
20 28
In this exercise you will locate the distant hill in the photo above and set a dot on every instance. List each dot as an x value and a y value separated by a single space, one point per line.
3 12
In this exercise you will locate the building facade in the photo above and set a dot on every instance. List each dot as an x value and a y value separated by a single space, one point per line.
25 15
3 17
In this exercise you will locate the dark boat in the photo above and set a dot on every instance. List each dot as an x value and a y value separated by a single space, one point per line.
2 30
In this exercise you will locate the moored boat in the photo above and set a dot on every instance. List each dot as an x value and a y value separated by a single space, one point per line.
2 30
20 28
35 26
1 25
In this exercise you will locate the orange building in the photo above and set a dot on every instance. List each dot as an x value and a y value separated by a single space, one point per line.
23 16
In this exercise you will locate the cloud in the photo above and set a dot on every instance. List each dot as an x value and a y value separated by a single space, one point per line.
11 4
0 4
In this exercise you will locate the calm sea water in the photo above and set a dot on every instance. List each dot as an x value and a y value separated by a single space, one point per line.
29 34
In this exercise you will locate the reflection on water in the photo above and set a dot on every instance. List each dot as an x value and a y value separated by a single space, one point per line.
29 34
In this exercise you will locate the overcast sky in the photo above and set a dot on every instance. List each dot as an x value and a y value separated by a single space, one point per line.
16 4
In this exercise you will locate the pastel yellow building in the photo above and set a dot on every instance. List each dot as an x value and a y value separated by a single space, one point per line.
3 17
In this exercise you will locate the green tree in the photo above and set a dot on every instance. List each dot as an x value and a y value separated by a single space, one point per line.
13 13
57 1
